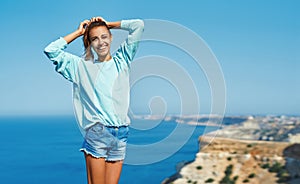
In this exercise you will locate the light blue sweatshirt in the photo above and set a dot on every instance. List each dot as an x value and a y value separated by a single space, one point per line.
101 90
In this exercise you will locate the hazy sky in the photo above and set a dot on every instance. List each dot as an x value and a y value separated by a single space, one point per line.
257 44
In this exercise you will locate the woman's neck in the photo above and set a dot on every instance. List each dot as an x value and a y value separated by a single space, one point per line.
104 58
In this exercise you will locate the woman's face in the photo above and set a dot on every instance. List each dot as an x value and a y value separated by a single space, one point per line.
100 39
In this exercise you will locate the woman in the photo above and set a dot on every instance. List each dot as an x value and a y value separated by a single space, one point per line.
100 92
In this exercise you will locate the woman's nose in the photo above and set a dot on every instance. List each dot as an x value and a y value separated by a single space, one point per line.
99 42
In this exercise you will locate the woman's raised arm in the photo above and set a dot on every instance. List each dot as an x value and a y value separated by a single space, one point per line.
79 32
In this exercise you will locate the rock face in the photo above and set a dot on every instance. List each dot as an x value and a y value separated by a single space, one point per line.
249 161
260 150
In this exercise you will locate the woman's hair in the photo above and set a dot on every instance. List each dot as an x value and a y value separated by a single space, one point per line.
88 54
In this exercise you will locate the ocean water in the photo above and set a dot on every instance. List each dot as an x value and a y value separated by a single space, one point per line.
45 150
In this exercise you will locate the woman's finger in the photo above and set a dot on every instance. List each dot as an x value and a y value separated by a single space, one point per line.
93 19
101 19
84 23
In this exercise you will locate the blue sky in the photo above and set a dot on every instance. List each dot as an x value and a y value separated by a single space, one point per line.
256 43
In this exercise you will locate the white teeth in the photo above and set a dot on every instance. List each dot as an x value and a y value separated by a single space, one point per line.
101 48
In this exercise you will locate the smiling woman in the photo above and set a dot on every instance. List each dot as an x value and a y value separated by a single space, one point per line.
98 37
100 92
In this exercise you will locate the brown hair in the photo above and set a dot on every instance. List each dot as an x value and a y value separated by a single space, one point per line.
88 55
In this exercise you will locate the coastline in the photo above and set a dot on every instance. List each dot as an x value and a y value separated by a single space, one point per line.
249 150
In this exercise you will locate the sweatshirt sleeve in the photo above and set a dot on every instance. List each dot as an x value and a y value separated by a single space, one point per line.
66 63
128 48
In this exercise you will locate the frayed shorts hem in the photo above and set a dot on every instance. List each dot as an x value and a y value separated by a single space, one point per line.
105 157
90 153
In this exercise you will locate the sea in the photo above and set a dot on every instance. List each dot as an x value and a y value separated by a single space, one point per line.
45 149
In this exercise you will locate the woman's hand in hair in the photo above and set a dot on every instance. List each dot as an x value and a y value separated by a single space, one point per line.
82 27
110 25
94 19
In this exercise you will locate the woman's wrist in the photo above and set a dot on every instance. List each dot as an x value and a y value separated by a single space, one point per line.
72 36
113 25
77 33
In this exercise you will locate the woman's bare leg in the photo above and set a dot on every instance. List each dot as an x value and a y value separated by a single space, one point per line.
95 168
113 172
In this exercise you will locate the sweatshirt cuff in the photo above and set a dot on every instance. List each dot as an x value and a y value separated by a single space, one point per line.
61 42
125 24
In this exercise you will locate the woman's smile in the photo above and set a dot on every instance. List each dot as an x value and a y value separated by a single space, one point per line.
102 48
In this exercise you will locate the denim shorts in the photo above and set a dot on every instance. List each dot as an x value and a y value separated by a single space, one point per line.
106 142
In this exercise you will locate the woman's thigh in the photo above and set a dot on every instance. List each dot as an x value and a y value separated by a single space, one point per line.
113 171
95 169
